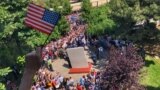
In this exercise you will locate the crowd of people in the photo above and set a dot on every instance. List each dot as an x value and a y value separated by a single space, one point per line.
74 38
47 80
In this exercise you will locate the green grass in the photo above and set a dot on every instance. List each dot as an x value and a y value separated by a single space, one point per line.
151 73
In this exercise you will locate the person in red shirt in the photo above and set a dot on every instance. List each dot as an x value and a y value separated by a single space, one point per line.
79 87
50 54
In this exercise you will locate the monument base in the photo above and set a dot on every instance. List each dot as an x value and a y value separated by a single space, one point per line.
81 70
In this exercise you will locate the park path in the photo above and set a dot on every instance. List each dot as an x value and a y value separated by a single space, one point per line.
61 66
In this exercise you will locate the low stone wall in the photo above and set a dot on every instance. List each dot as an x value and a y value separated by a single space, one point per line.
95 3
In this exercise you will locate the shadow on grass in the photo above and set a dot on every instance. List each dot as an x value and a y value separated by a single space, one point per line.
152 88
148 63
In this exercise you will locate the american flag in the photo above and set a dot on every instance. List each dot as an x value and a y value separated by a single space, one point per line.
41 19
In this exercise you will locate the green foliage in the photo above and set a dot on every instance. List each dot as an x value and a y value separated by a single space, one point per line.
20 60
61 29
4 71
148 2
137 13
63 26
86 10
98 21
2 86
62 6
9 53
15 38
36 38
152 11
128 12
131 2
120 12
86 6
66 7
100 25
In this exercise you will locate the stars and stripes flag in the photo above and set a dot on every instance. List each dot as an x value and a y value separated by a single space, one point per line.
41 19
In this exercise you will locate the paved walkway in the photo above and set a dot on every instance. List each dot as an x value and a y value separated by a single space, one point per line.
61 66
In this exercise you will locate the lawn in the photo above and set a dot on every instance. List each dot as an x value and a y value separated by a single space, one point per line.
151 73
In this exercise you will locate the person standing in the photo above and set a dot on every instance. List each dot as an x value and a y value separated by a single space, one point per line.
100 52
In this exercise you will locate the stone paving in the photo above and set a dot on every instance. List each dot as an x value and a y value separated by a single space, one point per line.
61 66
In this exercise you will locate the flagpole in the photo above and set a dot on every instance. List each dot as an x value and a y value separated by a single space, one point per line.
47 39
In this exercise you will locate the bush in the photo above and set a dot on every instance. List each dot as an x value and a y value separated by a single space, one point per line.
122 70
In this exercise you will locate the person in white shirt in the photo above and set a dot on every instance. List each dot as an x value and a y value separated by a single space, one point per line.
47 48
60 78
100 52
70 81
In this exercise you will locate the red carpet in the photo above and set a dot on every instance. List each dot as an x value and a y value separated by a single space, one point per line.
81 70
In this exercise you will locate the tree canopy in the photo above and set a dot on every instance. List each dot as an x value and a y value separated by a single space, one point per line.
122 70
3 72
117 18
17 39
133 20
97 19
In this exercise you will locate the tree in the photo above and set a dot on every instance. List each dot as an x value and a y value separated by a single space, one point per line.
11 22
131 2
97 19
126 13
122 70
15 38
3 72
121 13
148 2
63 26
62 6
66 7
152 11
2 86
137 13
99 23
86 10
